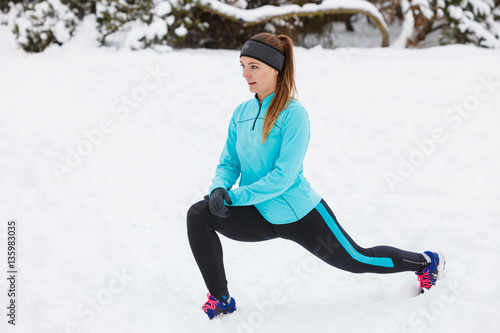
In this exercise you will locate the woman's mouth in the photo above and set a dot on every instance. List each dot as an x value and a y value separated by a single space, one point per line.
251 84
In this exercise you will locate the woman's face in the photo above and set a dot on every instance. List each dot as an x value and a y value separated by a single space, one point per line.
260 77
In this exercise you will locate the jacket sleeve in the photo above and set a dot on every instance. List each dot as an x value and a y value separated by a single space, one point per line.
295 139
228 170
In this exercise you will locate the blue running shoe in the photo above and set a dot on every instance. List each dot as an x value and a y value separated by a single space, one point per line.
215 307
428 276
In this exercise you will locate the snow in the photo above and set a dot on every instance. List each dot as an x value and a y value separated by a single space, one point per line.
61 32
181 31
482 7
424 6
455 12
134 31
404 148
163 8
156 28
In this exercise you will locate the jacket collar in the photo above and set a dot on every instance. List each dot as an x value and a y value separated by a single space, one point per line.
266 101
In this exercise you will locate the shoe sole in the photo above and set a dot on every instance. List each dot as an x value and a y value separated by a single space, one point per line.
222 314
441 265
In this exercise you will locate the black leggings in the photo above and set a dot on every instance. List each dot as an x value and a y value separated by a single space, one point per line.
318 232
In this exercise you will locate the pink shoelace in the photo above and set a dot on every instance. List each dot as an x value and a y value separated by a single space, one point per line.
425 279
210 304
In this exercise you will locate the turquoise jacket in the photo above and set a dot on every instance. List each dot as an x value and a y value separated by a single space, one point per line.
271 173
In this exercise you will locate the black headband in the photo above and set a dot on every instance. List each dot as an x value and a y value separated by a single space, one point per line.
263 52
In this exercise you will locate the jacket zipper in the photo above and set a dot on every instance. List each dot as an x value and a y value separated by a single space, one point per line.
258 114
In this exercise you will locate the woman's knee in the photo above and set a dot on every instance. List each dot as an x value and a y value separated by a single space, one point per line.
198 215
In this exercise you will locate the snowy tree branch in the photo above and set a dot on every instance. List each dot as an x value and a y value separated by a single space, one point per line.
266 13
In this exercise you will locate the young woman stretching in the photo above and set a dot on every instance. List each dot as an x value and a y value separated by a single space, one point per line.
266 145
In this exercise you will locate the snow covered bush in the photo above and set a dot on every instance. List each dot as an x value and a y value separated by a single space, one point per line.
4 9
4 6
81 8
41 23
161 24
134 24
458 21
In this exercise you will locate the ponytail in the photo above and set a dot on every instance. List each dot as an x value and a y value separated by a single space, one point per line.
286 90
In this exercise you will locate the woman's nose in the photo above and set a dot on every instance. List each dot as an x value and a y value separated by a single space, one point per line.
246 73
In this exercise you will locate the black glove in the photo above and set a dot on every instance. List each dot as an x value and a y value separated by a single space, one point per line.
216 203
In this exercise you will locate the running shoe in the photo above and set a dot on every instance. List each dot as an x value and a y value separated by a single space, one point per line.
215 307
428 276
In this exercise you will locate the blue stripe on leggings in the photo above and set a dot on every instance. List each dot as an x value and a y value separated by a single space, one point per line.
383 262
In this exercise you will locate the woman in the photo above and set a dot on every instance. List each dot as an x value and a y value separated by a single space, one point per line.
266 145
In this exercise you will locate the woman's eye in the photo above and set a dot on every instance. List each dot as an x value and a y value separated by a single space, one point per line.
252 66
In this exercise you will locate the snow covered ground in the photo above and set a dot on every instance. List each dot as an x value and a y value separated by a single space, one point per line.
103 151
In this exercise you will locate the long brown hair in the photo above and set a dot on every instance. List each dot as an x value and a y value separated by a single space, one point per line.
286 90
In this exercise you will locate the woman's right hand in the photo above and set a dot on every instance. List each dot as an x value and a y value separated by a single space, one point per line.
216 202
